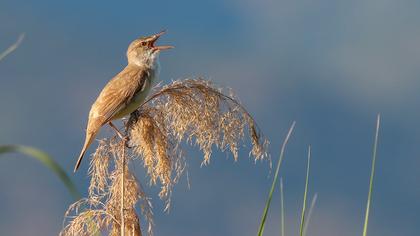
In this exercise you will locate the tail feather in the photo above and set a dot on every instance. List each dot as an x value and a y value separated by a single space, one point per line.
89 138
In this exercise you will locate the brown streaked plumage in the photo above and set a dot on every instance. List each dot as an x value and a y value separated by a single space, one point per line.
127 90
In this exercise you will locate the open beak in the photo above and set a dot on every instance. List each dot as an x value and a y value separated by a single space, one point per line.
155 38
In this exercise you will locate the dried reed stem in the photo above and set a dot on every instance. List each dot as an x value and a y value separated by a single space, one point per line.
122 190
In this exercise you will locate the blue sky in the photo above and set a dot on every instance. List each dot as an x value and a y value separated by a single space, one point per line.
329 65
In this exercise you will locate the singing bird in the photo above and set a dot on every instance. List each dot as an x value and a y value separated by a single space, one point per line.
127 90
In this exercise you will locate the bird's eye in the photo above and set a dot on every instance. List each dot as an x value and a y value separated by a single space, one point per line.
143 43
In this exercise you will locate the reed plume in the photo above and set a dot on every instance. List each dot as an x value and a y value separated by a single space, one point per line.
191 110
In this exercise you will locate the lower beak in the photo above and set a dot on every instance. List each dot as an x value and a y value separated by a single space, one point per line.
160 48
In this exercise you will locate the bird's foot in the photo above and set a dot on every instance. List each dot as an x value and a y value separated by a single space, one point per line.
126 141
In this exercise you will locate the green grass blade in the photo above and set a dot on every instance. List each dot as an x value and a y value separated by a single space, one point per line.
47 161
273 185
282 207
372 174
305 194
311 209
12 47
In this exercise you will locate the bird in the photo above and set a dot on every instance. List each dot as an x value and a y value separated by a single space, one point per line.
124 93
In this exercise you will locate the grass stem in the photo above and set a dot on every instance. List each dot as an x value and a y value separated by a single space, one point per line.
273 185
311 208
282 207
12 47
372 174
305 194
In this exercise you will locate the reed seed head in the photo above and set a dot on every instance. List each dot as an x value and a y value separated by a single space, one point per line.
191 110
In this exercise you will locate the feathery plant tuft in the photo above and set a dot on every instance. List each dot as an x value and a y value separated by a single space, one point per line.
194 111
191 110
100 211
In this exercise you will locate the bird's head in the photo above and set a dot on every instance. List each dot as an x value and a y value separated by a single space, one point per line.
144 52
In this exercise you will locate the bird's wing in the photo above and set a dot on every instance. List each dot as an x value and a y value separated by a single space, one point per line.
119 92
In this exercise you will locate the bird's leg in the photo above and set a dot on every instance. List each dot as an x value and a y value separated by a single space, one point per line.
123 137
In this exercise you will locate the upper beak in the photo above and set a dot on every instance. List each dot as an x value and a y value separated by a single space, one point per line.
155 38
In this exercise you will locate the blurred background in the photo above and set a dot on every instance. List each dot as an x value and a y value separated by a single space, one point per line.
329 65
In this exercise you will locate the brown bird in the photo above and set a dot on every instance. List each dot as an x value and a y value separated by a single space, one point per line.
127 90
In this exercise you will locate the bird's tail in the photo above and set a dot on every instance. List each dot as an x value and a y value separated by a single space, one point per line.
89 138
